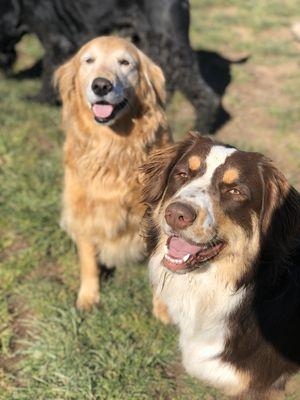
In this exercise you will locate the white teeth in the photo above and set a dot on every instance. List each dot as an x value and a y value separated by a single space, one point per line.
185 258
177 260
173 260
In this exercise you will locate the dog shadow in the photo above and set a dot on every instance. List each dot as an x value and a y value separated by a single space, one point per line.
33 72
106 274
216 72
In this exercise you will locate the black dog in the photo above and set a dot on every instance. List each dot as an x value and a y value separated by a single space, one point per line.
158 27
11 31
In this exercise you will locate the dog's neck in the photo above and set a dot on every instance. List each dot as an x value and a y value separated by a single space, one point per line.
112 145
201 295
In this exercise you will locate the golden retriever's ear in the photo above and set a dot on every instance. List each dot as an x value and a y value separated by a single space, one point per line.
64 79
280 214
154 77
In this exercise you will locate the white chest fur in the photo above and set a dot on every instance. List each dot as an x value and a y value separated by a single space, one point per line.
199 304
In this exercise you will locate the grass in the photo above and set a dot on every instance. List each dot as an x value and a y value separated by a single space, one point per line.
48 350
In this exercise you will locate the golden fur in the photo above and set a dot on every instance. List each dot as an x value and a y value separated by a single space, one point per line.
194 163
101 197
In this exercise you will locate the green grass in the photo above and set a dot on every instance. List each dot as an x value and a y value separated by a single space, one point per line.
48 350
116 352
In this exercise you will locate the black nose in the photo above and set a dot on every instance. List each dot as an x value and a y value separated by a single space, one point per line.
101 86
180 215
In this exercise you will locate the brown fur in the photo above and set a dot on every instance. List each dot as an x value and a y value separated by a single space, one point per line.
101 198
252 286
160 310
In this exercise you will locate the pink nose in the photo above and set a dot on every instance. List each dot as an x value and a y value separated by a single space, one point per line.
180 215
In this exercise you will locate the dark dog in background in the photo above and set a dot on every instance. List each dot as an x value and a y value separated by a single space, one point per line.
11 31
158 27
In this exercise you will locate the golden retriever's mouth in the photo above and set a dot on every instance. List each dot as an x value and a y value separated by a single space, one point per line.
104 111
182 256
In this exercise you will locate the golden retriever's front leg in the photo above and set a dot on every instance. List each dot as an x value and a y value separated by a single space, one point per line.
160 310
89 292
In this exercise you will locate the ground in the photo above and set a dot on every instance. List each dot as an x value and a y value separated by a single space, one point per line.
48 350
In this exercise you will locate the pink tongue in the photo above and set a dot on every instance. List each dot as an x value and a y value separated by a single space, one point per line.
178 248
102 110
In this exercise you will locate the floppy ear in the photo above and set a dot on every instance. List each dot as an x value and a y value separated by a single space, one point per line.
155 174
154 77
280 214
64 79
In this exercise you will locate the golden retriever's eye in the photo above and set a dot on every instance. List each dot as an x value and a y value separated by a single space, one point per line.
89 60
234 191
123 61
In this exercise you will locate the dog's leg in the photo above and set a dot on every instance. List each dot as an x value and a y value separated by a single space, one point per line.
201 96
167 42
47 93
89 292
160 310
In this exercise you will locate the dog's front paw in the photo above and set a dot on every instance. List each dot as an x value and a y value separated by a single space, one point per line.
87 298
160 310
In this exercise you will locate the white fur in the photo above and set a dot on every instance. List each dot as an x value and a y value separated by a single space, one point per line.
199 303
216 157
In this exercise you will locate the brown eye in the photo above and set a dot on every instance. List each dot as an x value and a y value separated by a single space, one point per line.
90 60
182 174
234 191
123 61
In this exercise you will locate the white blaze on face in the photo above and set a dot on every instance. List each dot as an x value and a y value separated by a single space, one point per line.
196 191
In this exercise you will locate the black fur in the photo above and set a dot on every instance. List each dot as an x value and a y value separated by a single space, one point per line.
263 338
158 27
265 330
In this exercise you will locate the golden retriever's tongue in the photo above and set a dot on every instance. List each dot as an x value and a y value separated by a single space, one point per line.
102 110
178 248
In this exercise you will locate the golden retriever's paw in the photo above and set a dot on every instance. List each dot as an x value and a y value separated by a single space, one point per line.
87 298
160 310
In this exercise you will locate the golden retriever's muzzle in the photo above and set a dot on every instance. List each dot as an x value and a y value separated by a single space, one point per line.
106 98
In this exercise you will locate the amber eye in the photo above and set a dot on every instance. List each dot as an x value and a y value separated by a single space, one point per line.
182 174
234 191
90 60
123 61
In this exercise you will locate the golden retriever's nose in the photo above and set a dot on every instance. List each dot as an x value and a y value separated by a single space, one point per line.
180 215
101 86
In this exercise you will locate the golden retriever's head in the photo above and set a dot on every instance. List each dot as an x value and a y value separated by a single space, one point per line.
111 78
209 203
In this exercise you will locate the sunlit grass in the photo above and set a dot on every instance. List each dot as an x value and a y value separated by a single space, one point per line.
118 351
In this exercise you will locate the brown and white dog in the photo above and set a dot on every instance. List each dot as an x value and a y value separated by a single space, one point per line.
113 113
223 230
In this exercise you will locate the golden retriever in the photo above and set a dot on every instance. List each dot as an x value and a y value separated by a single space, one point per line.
113 113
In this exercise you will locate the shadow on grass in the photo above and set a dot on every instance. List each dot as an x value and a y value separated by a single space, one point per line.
216 71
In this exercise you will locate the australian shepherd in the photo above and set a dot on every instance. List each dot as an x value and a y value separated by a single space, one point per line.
223 230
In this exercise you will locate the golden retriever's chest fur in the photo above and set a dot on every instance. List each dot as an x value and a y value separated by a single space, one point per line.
101 198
